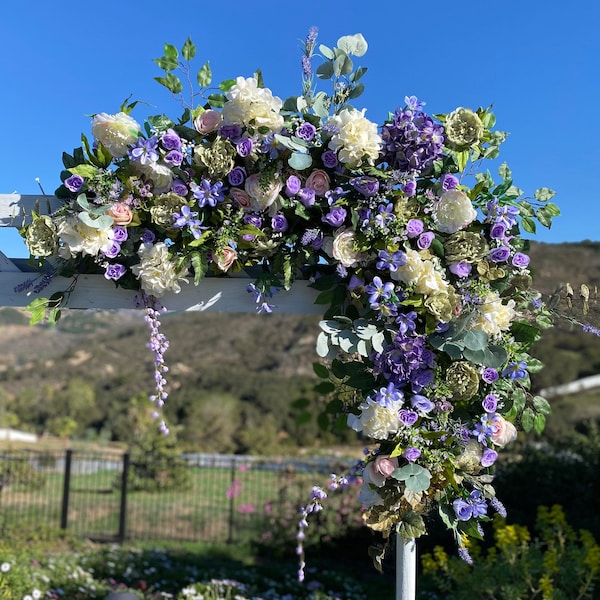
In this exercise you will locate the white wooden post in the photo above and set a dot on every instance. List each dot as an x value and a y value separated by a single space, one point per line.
223 294
406 568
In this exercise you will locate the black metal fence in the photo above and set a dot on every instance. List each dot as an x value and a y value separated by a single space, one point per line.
108 496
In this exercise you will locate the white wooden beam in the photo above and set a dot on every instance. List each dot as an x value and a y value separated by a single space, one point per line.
15 209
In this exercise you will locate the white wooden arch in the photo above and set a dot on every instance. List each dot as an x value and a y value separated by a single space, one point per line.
222 294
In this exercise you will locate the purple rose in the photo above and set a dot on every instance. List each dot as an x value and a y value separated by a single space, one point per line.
335 217
425 240
520 260
253 220
231 132
490 375
488 458
408 417
113 251
244 147
460 269
236 176
410 188
306 131
414 228
292 185
174 157
279 223
329 159
115 271
119 234
449 182
411 454
367 186
179 187
498 231
462 509
74 183
148 237
499 254
490 403
307 196
170 140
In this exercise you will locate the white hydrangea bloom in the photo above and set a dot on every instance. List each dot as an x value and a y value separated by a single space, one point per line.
156 271
355 138
249 105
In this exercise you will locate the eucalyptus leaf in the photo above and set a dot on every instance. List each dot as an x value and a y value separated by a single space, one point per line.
102 222
300 161
416 478
325 70
322 345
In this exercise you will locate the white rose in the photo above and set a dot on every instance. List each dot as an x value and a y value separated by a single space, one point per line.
79 238
160 175
356 138
115 132
156 271
376 421
262 195
493 316
453 211
249 105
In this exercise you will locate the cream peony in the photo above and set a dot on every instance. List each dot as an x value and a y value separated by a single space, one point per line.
355 138
341 247
453 211
493 316
252 106
77 237
156 271
420 271
115 132
376 421
160 175
262 194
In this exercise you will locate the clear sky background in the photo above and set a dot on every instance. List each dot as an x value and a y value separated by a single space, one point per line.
536 62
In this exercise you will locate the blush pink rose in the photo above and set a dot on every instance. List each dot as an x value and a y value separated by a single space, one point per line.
225 258
318 181
208 121
504 431
380 469
241 198
121 213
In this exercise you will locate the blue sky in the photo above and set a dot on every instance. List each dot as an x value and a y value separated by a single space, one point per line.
537 62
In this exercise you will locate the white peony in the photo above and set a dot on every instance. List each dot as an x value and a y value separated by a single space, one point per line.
355 138
115 132
252 106
376 421
79 238
453 211
156 271
493 316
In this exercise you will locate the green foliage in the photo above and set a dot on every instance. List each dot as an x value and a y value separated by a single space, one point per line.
17 473
558 564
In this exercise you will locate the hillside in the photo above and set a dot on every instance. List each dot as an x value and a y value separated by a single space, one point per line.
263 361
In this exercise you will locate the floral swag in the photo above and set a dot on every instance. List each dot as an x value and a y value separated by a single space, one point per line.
414 249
